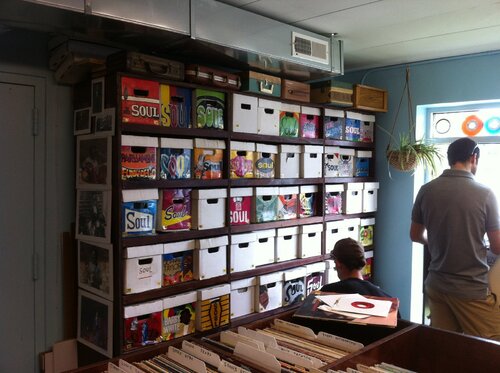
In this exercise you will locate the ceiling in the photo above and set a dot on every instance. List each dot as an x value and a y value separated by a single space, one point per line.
388 32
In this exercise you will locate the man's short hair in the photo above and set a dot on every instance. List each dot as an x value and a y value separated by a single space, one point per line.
461 150
350 253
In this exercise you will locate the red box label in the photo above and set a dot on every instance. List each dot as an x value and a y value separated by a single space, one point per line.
140 101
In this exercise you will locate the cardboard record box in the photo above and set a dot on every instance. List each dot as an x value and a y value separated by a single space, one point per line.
145 64
213 77
252 81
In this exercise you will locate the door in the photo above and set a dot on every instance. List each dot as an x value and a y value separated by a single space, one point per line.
21 225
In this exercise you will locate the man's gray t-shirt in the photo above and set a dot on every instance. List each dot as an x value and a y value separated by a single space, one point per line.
457 211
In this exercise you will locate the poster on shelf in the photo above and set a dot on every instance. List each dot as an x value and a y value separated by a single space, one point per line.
95 322
93 215
93 162
95 268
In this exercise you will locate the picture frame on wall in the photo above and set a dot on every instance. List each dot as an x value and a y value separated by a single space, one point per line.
95 268
97 95
93 162
104 122
81 121
95 322
93 215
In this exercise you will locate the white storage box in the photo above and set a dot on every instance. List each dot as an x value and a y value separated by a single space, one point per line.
333 122
265 161
335 231
289 120
265 247
352 228
177 259
294 285
310 240
210 257
240 205
346 162
309 122
265 204
268 117
288 202
331 274
175 311
362 163
331 158
143 268
139 210
333 199
138 157
353 201
242 252
241 159
287 243
209 208
311 161
243 297
370 192
175 158
142 324
209 299
315 276
208 157
289 161
308 200
270 292
244 113
366 228
366 127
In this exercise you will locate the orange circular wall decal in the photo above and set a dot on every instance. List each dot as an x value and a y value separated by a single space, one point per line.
472 125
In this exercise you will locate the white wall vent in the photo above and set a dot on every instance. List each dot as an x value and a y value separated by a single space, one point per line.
309 48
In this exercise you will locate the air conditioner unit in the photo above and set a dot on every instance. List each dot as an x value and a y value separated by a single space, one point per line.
310 48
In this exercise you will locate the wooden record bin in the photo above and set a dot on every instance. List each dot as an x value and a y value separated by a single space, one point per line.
225 135
424 349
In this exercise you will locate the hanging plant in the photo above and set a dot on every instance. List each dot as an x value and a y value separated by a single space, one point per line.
406 153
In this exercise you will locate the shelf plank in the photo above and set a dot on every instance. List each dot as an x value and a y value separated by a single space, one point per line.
341 180
273 182
334 217
275 224
180 183
173 290
240 136
350 144
164 237
275 267
150 130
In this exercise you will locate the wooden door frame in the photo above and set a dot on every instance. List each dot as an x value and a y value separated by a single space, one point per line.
39 197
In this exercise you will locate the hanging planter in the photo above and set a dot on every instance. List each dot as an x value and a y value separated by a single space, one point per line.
405 153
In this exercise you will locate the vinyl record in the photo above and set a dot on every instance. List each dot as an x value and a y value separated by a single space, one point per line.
442 126
362 305
493 125
472 125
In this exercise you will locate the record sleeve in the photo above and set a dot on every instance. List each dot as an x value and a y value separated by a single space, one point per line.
310 310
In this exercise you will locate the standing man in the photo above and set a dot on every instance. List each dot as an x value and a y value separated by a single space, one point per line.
451 215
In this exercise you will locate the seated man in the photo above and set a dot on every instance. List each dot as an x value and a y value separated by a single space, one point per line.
349 257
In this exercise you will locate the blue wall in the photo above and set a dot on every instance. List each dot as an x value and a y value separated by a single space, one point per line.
467 78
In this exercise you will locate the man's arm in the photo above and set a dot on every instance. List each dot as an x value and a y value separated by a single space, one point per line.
494 238
419 234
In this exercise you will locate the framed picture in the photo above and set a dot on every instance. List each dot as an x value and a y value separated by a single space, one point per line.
105 122
95 322
82 121
93 162
95 268
93 215
97 98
